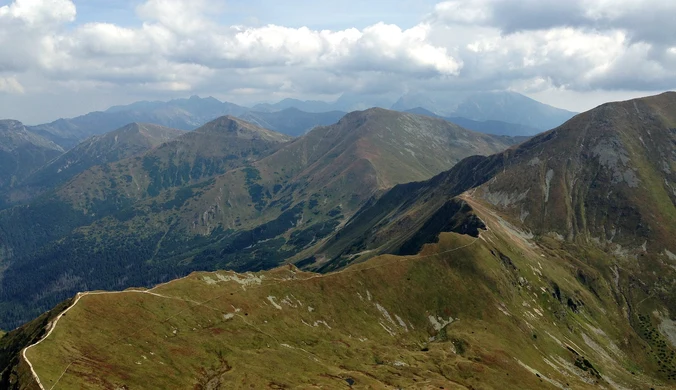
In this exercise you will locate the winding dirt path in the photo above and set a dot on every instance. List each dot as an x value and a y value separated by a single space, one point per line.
53 324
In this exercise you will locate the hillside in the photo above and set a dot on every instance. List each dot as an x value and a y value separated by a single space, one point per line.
215 198
617 188
94 210
213 149
21 153
492 312
130 140
596 191
606 176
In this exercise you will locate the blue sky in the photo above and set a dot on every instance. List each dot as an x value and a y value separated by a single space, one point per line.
293 13
60 58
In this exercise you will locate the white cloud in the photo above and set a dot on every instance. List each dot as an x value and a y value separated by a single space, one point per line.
38 13
10 85
179 45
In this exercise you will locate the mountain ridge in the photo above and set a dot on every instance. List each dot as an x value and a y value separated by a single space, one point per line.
505 106
517 182
183 114
127 141
21 153
188 114
494 273
191 203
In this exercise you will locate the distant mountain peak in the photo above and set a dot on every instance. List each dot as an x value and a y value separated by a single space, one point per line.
13 134
233 126
152 132
505 106
10 125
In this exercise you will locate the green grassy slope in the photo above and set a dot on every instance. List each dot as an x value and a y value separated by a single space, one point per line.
14 373
131 140
490 312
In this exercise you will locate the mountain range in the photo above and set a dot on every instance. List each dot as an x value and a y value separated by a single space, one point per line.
229 194
504 106
183 114
502 113
389 249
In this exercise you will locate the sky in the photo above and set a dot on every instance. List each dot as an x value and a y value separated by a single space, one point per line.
62 58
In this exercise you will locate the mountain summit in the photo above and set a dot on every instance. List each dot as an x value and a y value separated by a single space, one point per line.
608 175
21 153
130 140
234 127
605 177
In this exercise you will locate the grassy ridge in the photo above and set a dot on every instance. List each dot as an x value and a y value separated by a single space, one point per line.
505 313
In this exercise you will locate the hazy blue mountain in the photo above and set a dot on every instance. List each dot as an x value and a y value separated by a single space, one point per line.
524 116
357 102
183 114
347 102
504 106
303 105
292 121
488 127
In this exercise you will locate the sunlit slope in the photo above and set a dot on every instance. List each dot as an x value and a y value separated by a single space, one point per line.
488 312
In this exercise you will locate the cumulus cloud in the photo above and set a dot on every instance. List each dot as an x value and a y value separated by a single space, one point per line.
523 45
38 13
